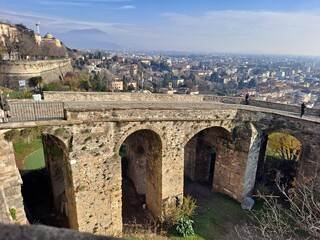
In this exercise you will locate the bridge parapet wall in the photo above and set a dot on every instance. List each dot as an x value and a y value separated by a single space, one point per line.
144 97
264 104
109 96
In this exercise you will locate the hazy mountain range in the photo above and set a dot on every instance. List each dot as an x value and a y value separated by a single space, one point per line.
91 38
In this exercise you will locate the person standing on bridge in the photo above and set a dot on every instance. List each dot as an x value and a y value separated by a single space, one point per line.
247 99
4 105
303 107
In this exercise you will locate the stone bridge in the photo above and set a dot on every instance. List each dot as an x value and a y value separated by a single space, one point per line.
165 138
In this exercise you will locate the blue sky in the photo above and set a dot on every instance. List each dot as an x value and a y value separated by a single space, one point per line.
238 26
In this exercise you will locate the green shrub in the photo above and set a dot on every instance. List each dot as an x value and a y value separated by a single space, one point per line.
11 135
52 86
20 95
13 213
184 226
34 81
175 213
188 206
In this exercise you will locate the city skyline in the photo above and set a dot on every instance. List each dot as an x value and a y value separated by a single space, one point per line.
254 27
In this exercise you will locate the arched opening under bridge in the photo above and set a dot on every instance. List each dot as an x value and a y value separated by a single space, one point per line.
141 176
203 154
278 163
47 188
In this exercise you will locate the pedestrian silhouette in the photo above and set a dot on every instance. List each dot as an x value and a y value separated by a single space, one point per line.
4 105
303 107
247 99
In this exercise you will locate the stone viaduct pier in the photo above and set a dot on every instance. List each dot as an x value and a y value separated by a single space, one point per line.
165 137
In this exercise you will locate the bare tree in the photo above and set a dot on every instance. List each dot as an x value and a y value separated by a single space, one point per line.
26 47
11 43
107 77
275 221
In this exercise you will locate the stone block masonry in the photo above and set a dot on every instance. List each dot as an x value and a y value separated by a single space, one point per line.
164 141
10 186
50 70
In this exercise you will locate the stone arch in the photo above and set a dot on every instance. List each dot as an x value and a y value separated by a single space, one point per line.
60 174
144 166
198 151
191 134
132 129
292 165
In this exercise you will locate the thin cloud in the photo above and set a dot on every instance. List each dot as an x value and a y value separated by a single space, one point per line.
126 7
215 31
103 0
80 3
245 31
64 3
59 24
234 31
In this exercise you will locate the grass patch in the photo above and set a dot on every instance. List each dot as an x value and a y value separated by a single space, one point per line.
216 217
222 213
22 149
35 160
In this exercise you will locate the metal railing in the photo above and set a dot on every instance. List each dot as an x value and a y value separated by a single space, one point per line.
36 111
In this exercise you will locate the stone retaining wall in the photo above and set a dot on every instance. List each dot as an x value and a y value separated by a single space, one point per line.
50 70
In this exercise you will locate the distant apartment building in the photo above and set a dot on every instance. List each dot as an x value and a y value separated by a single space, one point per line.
266 74
169 62
302 97
280 74
178 82
175 72
124 71
147 62
307 69
133 69
283 90
201 74
117 85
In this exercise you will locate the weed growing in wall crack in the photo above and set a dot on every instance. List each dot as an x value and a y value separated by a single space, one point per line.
13 213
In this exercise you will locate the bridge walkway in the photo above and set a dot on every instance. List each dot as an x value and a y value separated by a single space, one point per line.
46 111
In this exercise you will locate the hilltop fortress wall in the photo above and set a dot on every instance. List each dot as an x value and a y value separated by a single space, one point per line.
50 70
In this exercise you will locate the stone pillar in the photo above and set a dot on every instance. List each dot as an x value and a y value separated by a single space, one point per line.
10 185
96 179
252 162
172 166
